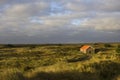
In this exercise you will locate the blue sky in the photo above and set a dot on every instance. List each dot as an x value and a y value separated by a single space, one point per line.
59 21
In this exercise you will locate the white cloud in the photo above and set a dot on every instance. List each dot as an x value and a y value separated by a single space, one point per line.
68 16
104 22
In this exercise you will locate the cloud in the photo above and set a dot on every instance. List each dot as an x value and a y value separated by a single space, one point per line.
105 21
94 5
27 9
110 5
68 18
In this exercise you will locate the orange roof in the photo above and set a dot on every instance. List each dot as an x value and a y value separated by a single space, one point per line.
85 47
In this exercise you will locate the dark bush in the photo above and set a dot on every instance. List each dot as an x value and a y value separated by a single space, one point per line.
106 70
107 45
9 45
118 50
32 47
27 68
118 46
79 58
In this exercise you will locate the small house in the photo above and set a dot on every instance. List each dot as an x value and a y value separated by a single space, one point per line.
87 49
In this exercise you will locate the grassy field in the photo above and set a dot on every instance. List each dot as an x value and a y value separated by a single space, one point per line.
59 62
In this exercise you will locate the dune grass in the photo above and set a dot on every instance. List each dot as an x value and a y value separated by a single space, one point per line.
11 74
59 62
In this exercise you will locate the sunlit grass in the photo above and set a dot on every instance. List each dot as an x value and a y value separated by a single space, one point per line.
58 62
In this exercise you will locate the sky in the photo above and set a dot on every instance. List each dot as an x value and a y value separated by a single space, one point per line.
59 21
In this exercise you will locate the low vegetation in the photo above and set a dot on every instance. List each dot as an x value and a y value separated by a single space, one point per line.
59 62
118 49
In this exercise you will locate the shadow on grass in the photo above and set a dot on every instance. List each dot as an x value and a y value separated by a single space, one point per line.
81 58
106 70
66 75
